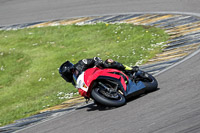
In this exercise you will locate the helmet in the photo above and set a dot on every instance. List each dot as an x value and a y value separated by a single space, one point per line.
66 71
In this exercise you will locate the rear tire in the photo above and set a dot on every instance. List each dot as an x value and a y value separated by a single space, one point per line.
151 85
100 98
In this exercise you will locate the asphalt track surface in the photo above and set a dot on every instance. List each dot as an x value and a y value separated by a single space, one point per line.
172 109
26 11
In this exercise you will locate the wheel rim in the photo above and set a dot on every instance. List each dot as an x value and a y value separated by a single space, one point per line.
112 95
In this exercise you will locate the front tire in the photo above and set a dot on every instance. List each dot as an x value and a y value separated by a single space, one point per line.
100 98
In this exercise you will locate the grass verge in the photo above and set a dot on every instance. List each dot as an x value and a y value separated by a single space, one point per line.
30 58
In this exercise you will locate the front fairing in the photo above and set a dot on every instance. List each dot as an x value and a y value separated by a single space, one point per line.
81 83
98 74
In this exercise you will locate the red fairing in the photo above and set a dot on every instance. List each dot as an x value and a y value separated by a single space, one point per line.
93 73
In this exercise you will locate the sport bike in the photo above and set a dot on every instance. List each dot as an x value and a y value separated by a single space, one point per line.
111 87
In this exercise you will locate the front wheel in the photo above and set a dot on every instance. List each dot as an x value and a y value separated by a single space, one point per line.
101 98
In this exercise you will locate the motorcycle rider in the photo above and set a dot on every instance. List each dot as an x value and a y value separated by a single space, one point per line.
68 70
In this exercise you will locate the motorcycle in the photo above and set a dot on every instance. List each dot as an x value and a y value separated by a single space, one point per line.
112 87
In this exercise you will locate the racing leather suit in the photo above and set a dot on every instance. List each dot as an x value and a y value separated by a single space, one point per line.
84 64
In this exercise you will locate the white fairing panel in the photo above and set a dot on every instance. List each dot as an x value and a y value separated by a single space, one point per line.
80 83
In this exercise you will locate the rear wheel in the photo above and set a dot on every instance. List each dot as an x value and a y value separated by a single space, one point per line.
108 99
150 83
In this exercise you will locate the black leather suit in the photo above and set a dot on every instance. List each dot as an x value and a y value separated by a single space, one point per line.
84 64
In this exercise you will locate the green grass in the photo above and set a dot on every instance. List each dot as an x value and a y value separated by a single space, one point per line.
30 58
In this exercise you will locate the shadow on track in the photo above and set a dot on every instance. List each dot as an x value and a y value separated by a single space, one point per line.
93 106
